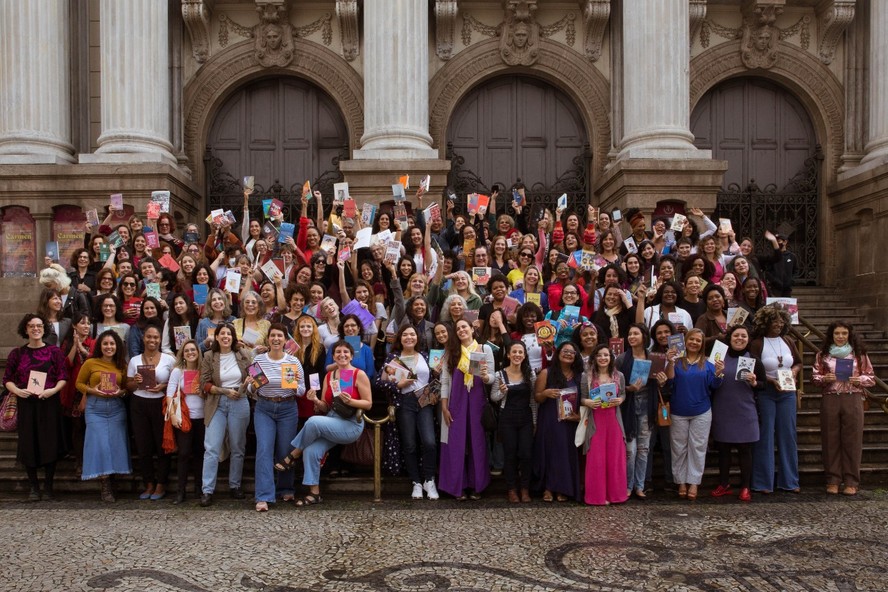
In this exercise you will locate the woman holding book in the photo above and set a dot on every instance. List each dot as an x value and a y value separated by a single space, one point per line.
639 410
528 315
602 390
728 283
350 330
184 383
215 313
331 317
147 377
568 318
513 390
734 416
49 307
338 420
77 350
713 322
532 289
660 332
752 298
275 416
130 303
776 403
312 356
203 276
555 458
108 314
223 375
251 327
665 307
586 339
182 314
35 373
406 376
499 288
608 249
106 444
691 409
617 312
149 315
555 289
466 368
843 370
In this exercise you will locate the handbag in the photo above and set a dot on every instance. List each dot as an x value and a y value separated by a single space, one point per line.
9 413
342 410
582 426
360 452
488 417
664 414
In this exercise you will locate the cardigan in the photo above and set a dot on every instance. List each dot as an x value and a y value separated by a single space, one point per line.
209 377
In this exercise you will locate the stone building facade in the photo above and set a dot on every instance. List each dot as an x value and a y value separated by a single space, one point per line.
775 108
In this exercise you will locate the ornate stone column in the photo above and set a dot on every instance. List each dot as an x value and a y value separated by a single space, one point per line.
656 83
135 83
35 93
877 146
396 74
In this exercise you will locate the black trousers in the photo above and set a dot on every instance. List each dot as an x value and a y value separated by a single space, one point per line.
191 454
516 434
146 416
744 452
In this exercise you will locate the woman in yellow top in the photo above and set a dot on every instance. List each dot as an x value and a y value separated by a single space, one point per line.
106 445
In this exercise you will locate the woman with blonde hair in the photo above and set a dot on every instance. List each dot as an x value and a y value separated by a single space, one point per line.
251 320
184 384
312 356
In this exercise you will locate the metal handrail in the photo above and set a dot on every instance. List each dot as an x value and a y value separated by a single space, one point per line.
377 450
882 401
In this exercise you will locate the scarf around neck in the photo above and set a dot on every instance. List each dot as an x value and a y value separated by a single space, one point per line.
463 365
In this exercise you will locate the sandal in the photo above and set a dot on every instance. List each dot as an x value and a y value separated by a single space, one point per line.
288 463
547 496
288 498
309 500
832 489
682 490
561 498
261 506
849 490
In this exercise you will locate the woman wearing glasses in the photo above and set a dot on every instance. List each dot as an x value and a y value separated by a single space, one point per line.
567 319
166 229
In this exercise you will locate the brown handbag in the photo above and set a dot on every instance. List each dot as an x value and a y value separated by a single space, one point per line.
360 452
664 413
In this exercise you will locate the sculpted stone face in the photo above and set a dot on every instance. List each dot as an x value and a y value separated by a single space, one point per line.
273 38
763 39
520 36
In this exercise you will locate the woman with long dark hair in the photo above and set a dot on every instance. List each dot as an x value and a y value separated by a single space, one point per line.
555 458
513 390
182 314
841 406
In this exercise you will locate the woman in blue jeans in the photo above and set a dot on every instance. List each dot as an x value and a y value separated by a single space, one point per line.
776 407
346 393
415 414
223 374
275 417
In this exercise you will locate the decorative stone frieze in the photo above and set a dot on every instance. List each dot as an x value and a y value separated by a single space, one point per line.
833 17
196 15
347 13
445 27
596 14
697 12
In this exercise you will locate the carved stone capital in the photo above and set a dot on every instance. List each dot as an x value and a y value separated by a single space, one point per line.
833 17
272 11
697 13
445 27
347 13
596 14
762 12
196 16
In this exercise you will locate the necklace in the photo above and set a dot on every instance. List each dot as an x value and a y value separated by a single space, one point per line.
694 361
776 352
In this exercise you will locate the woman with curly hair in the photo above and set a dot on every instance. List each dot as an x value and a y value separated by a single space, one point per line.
777 408
843 370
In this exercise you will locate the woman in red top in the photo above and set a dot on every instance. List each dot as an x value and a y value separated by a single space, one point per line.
78 348
346 392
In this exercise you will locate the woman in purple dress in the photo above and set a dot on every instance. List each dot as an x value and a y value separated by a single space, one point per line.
734 416
464 462
35 373
555 457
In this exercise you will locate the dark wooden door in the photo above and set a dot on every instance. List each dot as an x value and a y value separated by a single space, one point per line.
761 129
280 129
517 127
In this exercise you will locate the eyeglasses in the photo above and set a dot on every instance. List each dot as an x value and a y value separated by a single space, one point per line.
163 223
568 352
32 326
571 293
526 255
128 285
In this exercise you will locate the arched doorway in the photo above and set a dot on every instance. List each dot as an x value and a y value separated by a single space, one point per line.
518 127
281 131
774 161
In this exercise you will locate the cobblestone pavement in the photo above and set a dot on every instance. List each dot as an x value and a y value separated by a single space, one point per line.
788 542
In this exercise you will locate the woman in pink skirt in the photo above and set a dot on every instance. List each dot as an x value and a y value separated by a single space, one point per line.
605 439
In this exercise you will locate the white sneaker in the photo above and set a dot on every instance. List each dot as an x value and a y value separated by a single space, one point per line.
430 489
417 491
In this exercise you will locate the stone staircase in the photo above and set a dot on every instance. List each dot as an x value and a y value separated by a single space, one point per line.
818 305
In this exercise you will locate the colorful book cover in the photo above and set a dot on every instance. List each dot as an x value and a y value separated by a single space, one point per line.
571 314
404 181
395 372
182 334
432 213
149 378
314 381
606 393
719 351
306 190
275 209
790 305
658 363
587 261
630 245
545 333
346 379
151 238
52 250
533 297
483 203
230 219
354 307
168 262
472 204
518 199
36 382
641 370
286 231
425 183
785 380
368 214
724 225
266 207
677 341
476 359
344 254
678 222
257 375
480 275
470 315
153 212
290 378
340 192
200 293
107 383
115 240
745 365
162 198
349 208
616 345
233 281
191 382
567 403
354 341
510 305
152 290
116 200
844 369
291 347
562 201
737 316
436 357
92 216
328 243
392 254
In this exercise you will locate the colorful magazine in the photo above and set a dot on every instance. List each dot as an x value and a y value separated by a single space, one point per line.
290 377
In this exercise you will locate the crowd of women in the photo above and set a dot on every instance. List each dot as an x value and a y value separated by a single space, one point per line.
542 346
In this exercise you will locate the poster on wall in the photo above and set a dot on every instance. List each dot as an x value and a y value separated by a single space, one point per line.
18 253
67 230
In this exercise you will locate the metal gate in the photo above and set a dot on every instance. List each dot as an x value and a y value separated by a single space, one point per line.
225 192
574 182
792 211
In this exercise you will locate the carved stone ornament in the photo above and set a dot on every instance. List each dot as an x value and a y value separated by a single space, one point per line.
347 13
273 35
596 13
833 17
520 33
196 16
445 27
758 46
697 14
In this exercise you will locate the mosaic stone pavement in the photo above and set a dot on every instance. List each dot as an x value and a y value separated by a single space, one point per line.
803 543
